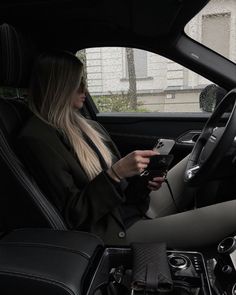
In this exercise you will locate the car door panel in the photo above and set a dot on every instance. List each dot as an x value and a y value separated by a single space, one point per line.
141 131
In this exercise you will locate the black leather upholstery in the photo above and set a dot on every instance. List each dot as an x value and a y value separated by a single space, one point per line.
74 241
38 261
13 114
22 204
48 262
15 58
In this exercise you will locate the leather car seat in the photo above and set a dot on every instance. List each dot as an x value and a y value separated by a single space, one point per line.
22 204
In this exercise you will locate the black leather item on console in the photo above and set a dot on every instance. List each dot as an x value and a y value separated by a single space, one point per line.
151 272
47 262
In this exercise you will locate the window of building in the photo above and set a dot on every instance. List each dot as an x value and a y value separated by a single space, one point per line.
216 32
214 26
138 59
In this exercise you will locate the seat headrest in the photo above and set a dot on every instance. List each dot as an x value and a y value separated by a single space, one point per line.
15 58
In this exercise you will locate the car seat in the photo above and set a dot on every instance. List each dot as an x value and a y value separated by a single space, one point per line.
22 204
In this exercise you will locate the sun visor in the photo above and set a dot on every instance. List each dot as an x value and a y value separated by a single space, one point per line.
152 18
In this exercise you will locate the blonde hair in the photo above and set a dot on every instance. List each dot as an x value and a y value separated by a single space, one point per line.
56 77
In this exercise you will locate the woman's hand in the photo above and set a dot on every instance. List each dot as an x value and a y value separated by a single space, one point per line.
155 183
132 164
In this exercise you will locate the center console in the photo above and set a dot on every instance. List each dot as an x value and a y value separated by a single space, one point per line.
213 272
222 267
69 262
188 271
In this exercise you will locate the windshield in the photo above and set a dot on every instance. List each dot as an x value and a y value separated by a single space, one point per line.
215 27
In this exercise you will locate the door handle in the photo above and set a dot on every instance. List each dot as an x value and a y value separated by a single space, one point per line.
189 138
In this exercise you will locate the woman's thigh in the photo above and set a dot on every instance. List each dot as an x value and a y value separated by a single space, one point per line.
161 203
190 229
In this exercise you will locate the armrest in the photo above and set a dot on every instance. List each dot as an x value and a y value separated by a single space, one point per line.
44 261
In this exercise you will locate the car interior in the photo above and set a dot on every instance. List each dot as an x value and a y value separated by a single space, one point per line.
38 252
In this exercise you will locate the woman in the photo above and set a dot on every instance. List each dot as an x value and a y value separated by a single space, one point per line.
80 169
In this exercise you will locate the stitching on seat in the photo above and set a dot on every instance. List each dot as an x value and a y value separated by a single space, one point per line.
51 214
44 245
37 278
74 231
14 108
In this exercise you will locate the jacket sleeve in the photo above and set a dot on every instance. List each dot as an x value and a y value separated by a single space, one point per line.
82 204
136 191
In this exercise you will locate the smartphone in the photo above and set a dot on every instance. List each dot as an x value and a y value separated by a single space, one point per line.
164 146
158 166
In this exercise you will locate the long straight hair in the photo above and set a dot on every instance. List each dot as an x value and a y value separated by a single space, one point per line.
56 78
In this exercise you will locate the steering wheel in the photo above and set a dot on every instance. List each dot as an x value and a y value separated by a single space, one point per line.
213 143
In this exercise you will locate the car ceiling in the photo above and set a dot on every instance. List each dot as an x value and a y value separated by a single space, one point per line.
78 24
153 25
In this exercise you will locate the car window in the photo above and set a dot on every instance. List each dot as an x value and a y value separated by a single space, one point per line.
133 80
215 27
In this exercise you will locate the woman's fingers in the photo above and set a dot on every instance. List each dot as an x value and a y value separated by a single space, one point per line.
153 186
145 153
134 163
142 160
155 183
158 179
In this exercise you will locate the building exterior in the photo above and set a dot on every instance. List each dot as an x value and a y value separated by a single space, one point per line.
163 85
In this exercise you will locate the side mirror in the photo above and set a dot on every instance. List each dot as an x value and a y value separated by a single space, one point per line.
210 97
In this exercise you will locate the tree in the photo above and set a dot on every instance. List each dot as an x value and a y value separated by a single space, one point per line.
117 102
132 92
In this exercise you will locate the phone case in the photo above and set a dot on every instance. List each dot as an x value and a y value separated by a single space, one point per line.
164 146
158 166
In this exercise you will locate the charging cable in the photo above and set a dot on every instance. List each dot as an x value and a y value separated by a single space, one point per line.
171 193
